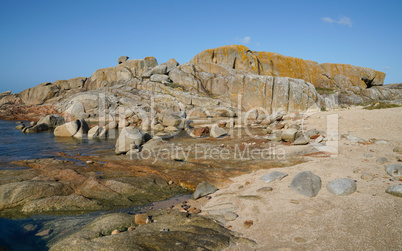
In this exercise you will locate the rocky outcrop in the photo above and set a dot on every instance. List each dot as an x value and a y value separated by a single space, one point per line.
128 70
40 94
327 75
168 229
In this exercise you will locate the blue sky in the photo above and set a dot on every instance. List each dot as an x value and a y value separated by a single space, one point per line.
44 41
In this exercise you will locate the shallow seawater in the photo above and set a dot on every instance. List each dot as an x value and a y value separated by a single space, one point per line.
15 145
21 234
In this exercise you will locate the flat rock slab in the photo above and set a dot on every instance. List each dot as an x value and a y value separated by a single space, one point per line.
270 177
342 187
302 140
306 183
394 170
395 190
217 132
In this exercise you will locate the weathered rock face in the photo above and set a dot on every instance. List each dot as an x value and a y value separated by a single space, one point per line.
52 121
125 71
40 94
326 75
170 230
129 138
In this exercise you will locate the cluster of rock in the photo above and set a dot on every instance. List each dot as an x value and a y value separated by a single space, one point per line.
230 77
309 184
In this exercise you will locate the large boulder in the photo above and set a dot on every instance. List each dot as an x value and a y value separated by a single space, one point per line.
82 130
39 94
203 189
129 138
77 129
170 118
122 59
342 187
36 128
306 183
52 121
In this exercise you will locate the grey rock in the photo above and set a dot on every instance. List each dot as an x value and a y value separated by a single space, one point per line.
217 132
122 59
160 78
395 190
398 149
381 161
82 130
394 170
270 177
20 127
94 132
312 132
294 126
276 136
203 189
289 134
52 121
68 129
355 139
342 187
171 64
160 69
36 128
129 138
186 233
302 140
306 183
265 189
75 109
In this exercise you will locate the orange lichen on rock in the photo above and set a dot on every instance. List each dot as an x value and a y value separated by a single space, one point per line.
326 75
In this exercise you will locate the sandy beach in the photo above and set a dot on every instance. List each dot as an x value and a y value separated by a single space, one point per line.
282 219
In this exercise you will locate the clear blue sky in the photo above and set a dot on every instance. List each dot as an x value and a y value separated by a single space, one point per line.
44 41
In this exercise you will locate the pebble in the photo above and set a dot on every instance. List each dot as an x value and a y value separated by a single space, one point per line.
265 189
367 176
273 176
381 161
89 162
398 149
300 240
248 223
230 216
395 190
394 170
141 219
342 187
115 232
131 229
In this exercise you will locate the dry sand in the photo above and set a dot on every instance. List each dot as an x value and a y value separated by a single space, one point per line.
368 219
